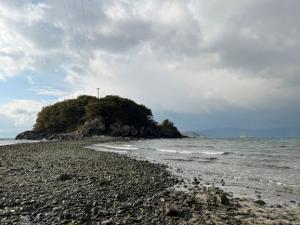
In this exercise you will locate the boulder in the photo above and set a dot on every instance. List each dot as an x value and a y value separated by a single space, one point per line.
91 128
260 202
122 130
115 129
30 135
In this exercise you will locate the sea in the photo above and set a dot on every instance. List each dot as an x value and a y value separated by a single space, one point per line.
7 141
257 168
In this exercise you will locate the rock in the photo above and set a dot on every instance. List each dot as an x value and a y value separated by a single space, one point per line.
260 202
89 128
64 177
106 222
25 220
222 199
92 127
96 127
122 130
222 182
38 216
171 211
115 129
258 196
195 181
30 135
67 214
56 210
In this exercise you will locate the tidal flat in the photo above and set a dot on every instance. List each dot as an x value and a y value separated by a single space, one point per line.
63 182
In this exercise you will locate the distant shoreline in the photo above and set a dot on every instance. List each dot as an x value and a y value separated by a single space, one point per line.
62 182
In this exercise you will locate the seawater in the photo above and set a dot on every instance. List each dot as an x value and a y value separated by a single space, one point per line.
250 167
12 141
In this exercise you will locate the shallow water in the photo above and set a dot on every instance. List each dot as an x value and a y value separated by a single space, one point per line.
250 167
12 141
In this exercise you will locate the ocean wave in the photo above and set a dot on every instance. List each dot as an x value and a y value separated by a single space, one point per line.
274 160
127 145
278 183
107 150
277 167
123 147
174 151
283 146
195 158
214 153
271 166
181 160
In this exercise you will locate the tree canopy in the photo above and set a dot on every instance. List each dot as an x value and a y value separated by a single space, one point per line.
69 115
111 115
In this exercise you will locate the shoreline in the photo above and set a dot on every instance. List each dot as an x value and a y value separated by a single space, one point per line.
62 182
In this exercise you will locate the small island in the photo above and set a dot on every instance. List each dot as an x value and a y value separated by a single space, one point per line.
88 116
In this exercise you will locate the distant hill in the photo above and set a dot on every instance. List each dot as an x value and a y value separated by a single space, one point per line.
238 132
87 116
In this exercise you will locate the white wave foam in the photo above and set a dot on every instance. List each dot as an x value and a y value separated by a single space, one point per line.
122 147
174 151
167 150
214 153
107 150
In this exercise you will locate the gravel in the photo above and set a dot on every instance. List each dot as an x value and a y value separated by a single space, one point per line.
64 183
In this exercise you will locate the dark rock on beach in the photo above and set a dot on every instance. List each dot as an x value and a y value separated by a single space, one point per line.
30 135
62 182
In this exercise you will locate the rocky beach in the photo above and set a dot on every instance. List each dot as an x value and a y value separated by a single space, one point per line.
63 182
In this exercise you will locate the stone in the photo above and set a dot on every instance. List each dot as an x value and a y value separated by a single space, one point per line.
195 181
64 177
202 198
171 210
260 202
106 222
223 199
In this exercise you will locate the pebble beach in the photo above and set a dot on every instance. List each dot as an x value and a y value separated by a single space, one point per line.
63 182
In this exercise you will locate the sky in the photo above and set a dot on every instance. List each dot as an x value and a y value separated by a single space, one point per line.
203 64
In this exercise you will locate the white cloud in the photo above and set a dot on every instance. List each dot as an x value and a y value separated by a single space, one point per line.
49 91
179 56
21 112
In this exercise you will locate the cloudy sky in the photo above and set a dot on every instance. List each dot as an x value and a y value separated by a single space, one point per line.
204 64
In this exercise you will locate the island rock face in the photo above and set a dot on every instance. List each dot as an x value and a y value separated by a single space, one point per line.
89 116
30 135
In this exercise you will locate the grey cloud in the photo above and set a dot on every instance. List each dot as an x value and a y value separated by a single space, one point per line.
241 52
223 60
279 17
42 34
125 35
262 36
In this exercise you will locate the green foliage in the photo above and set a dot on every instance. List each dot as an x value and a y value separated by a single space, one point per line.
168 129
69 115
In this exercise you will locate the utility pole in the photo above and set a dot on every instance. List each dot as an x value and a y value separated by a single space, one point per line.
98 92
